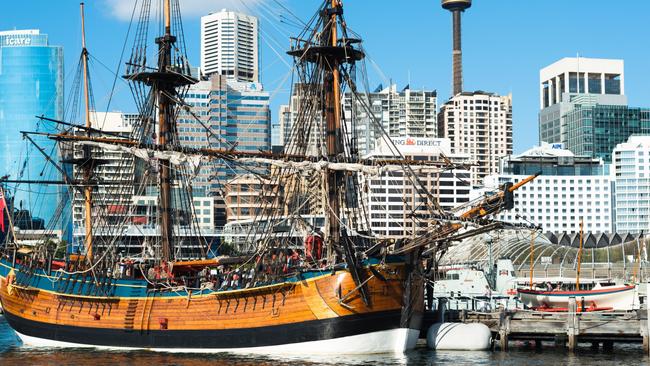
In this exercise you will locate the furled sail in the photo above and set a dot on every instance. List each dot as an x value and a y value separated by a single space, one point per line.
195 160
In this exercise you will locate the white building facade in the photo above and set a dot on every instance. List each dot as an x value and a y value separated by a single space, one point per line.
395 206
230 45
478 124
567 82
570 189
631 172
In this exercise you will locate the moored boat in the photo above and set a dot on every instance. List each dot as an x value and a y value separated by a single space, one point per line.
611 297
305 314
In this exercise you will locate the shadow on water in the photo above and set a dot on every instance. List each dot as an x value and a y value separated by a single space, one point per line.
13 353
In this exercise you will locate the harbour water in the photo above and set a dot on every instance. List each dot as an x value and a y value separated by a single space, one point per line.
12 353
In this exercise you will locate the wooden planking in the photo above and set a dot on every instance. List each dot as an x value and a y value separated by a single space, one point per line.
309 300
315 301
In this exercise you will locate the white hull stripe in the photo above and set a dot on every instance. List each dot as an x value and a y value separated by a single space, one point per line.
387 341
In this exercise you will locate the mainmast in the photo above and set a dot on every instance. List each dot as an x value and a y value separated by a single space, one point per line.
164 112
333 119
331 55
87 167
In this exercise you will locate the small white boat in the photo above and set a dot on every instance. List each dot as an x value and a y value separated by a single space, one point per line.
612 297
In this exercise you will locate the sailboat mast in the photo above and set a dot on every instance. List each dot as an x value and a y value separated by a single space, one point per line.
579 258
164 114
333 118
532 256
87 168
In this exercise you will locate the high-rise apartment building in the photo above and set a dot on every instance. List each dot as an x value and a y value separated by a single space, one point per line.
571 188
631 172
301 122
230 45
115 176
478 124
31 84
408 112
583 106
226 115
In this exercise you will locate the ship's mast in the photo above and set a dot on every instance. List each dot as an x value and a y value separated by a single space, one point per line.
333 120
164 113
87 167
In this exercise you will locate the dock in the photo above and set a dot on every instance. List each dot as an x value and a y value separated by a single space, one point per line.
562 328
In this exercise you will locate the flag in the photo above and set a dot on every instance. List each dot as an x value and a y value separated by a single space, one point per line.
3 206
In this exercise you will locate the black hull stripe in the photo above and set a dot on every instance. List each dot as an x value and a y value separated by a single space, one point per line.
316 330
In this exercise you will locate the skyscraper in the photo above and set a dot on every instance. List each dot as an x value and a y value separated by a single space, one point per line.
31 84
583 106
478 124
237 116
570 77
229 45
405 113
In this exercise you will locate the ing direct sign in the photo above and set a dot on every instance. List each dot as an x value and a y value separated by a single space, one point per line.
410 141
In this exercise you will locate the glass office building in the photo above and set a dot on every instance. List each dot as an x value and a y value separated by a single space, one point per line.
595 130
31 84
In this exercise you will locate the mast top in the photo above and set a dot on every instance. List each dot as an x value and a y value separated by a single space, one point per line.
330 48
172 69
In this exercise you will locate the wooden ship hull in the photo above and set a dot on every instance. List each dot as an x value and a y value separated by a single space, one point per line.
318 313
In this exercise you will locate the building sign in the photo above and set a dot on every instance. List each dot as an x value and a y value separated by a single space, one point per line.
415 145
17 41
412 141
557 146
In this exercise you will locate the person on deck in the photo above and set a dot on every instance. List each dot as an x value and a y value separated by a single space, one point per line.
314 246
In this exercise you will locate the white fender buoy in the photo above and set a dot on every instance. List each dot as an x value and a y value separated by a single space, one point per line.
459 337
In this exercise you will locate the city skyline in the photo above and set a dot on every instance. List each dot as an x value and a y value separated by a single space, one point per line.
507 61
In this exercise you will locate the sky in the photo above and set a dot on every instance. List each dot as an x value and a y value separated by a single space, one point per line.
505 43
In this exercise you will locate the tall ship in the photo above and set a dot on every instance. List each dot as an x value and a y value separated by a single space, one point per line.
343 290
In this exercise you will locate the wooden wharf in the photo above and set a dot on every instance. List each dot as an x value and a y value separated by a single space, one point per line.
563 328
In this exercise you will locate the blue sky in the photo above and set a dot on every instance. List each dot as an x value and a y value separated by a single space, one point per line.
505 43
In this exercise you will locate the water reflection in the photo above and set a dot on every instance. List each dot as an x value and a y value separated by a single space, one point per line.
13 353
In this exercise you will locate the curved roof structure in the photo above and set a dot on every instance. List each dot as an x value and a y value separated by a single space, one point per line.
559 250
